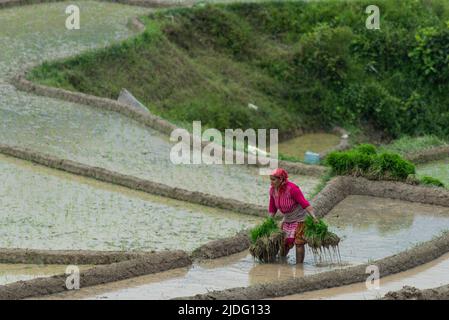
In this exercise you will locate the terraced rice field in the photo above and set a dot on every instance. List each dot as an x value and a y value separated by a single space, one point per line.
371 228
47 209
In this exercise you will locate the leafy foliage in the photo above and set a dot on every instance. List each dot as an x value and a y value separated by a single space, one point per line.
307 65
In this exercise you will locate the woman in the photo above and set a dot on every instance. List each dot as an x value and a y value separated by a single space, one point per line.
286 197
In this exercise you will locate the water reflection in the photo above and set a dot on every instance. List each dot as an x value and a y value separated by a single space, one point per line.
386 215
435 169
265 273
21 272
359 246
315 142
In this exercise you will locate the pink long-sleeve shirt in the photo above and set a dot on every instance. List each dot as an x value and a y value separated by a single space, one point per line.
288 200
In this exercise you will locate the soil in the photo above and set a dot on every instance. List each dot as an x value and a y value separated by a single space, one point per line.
132 182
31 256
436 153
399 262
412 293
144 117
156 262
223 247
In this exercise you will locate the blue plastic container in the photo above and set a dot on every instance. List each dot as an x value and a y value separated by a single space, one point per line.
311 158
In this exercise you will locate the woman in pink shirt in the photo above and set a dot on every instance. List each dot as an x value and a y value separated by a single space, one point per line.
286 197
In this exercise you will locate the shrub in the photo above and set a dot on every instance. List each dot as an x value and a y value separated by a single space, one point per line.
430 54
324 54
307 64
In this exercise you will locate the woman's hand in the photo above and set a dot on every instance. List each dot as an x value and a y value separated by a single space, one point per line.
310 211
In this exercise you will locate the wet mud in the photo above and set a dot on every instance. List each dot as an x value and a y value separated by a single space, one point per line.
427 276
155 263
371 228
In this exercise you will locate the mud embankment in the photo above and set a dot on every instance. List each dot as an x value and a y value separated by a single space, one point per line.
398 190
141 116
151 263
400 262
223 247
335 191
132 182
433 154
412 293
149 120
66 257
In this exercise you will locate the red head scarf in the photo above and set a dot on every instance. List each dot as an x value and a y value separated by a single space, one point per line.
282 175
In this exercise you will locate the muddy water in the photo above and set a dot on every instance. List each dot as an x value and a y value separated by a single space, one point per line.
32 34
21 272
43 208
371 228
436 169
429 275
315 142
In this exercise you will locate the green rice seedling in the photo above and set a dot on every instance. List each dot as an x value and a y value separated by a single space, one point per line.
266 241
431 181
364 161
268 226
319 238
365 148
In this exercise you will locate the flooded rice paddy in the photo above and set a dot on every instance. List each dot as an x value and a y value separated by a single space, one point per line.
32 34
371 228
430 275
436 169
315 142
48 209
10 273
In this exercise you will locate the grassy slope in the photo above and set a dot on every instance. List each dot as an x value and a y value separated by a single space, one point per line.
306 65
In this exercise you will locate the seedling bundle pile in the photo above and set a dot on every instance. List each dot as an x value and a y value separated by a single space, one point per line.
320 240
266 241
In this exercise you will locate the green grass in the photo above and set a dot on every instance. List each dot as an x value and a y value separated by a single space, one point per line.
289 158
306 65
410 145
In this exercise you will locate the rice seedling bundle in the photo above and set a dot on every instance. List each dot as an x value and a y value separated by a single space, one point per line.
319 238
266 241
